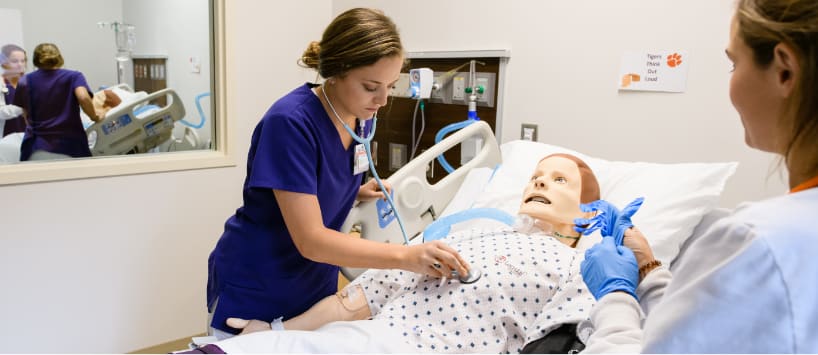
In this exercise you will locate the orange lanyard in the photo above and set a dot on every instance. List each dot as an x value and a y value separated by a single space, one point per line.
805 185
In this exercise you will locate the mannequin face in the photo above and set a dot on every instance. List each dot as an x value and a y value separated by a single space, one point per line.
362 91
553 194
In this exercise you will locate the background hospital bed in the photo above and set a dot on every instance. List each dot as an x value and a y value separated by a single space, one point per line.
136 125
680 203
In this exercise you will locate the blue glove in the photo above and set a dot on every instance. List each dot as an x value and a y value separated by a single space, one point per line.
609 219
609 267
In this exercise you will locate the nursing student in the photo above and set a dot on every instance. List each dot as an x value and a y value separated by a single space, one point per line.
52 98
748 284
13 61
280 252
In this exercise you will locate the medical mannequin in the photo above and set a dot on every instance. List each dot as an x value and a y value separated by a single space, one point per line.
281 251
13 62
748 284
52 97
513 302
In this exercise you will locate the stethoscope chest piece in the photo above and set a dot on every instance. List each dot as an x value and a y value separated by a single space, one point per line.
472 277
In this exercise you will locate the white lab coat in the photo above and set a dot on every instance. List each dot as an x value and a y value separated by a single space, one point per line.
7 111
747 285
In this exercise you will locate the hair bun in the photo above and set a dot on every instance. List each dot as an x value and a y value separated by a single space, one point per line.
311 56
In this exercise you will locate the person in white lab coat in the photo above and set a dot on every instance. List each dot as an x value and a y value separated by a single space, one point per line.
748 284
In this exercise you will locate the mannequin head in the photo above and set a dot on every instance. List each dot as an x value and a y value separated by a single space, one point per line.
559 184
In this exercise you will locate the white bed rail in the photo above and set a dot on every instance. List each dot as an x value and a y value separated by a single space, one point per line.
144 131
418 202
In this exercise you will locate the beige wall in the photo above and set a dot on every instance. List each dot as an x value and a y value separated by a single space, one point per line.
116 264
563 73
112 265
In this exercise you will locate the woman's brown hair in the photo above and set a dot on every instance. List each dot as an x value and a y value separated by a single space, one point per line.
763 24
358 37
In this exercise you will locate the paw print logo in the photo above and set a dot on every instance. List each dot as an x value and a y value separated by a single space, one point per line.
674 60
499 259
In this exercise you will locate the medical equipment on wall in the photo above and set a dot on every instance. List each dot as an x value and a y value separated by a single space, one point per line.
472 145
135 125
421 83
125 37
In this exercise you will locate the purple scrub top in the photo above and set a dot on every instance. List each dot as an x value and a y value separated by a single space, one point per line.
255 271
17 124
54 112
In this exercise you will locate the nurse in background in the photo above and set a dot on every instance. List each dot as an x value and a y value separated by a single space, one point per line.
51 98
281 251
748 284
13 61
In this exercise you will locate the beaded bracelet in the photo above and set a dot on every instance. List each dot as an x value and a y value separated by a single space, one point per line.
647 267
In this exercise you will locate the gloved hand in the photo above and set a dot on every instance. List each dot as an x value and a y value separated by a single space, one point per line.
609 267
609 219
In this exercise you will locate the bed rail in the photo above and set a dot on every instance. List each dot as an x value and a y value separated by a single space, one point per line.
419 202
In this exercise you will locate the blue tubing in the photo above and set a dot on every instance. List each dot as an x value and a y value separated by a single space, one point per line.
442 133
440 228
201 113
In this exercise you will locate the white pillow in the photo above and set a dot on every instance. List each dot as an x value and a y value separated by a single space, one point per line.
676 195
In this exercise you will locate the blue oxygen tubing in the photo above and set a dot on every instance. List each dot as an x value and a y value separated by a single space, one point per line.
201 112
449 129
367 146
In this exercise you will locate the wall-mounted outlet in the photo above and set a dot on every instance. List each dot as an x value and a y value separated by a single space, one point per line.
397 156
528 132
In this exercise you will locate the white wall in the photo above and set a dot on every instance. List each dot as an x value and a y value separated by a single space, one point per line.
116 264
179 30
112 265
74 30
563 75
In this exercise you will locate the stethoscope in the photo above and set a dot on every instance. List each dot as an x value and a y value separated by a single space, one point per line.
366 142
473 274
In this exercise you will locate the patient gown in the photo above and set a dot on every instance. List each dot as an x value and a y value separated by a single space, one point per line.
530 285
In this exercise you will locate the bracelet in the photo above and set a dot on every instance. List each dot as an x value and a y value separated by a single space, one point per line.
648 267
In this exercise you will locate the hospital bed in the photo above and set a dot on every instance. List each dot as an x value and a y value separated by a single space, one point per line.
680 204
136 125
678 196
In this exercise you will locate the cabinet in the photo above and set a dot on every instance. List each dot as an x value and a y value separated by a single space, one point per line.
150 75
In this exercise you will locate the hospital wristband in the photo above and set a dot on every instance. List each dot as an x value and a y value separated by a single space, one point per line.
648 267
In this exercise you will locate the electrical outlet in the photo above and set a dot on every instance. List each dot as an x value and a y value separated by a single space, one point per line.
528 132
397 156
437 94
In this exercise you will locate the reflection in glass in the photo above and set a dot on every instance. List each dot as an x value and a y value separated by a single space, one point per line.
158 61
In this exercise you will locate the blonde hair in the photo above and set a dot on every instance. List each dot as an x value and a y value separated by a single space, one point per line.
762 24
47 56
356 38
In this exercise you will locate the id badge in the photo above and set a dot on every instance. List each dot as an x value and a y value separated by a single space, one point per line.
360 161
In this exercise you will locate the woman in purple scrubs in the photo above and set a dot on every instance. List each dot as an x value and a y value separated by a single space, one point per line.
280 252
52 98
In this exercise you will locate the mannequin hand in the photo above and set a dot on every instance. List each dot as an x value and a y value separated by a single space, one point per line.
636 242
436 259
609 267
248 326
371 191
610 221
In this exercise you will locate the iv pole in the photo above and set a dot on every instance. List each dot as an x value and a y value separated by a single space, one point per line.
125 36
